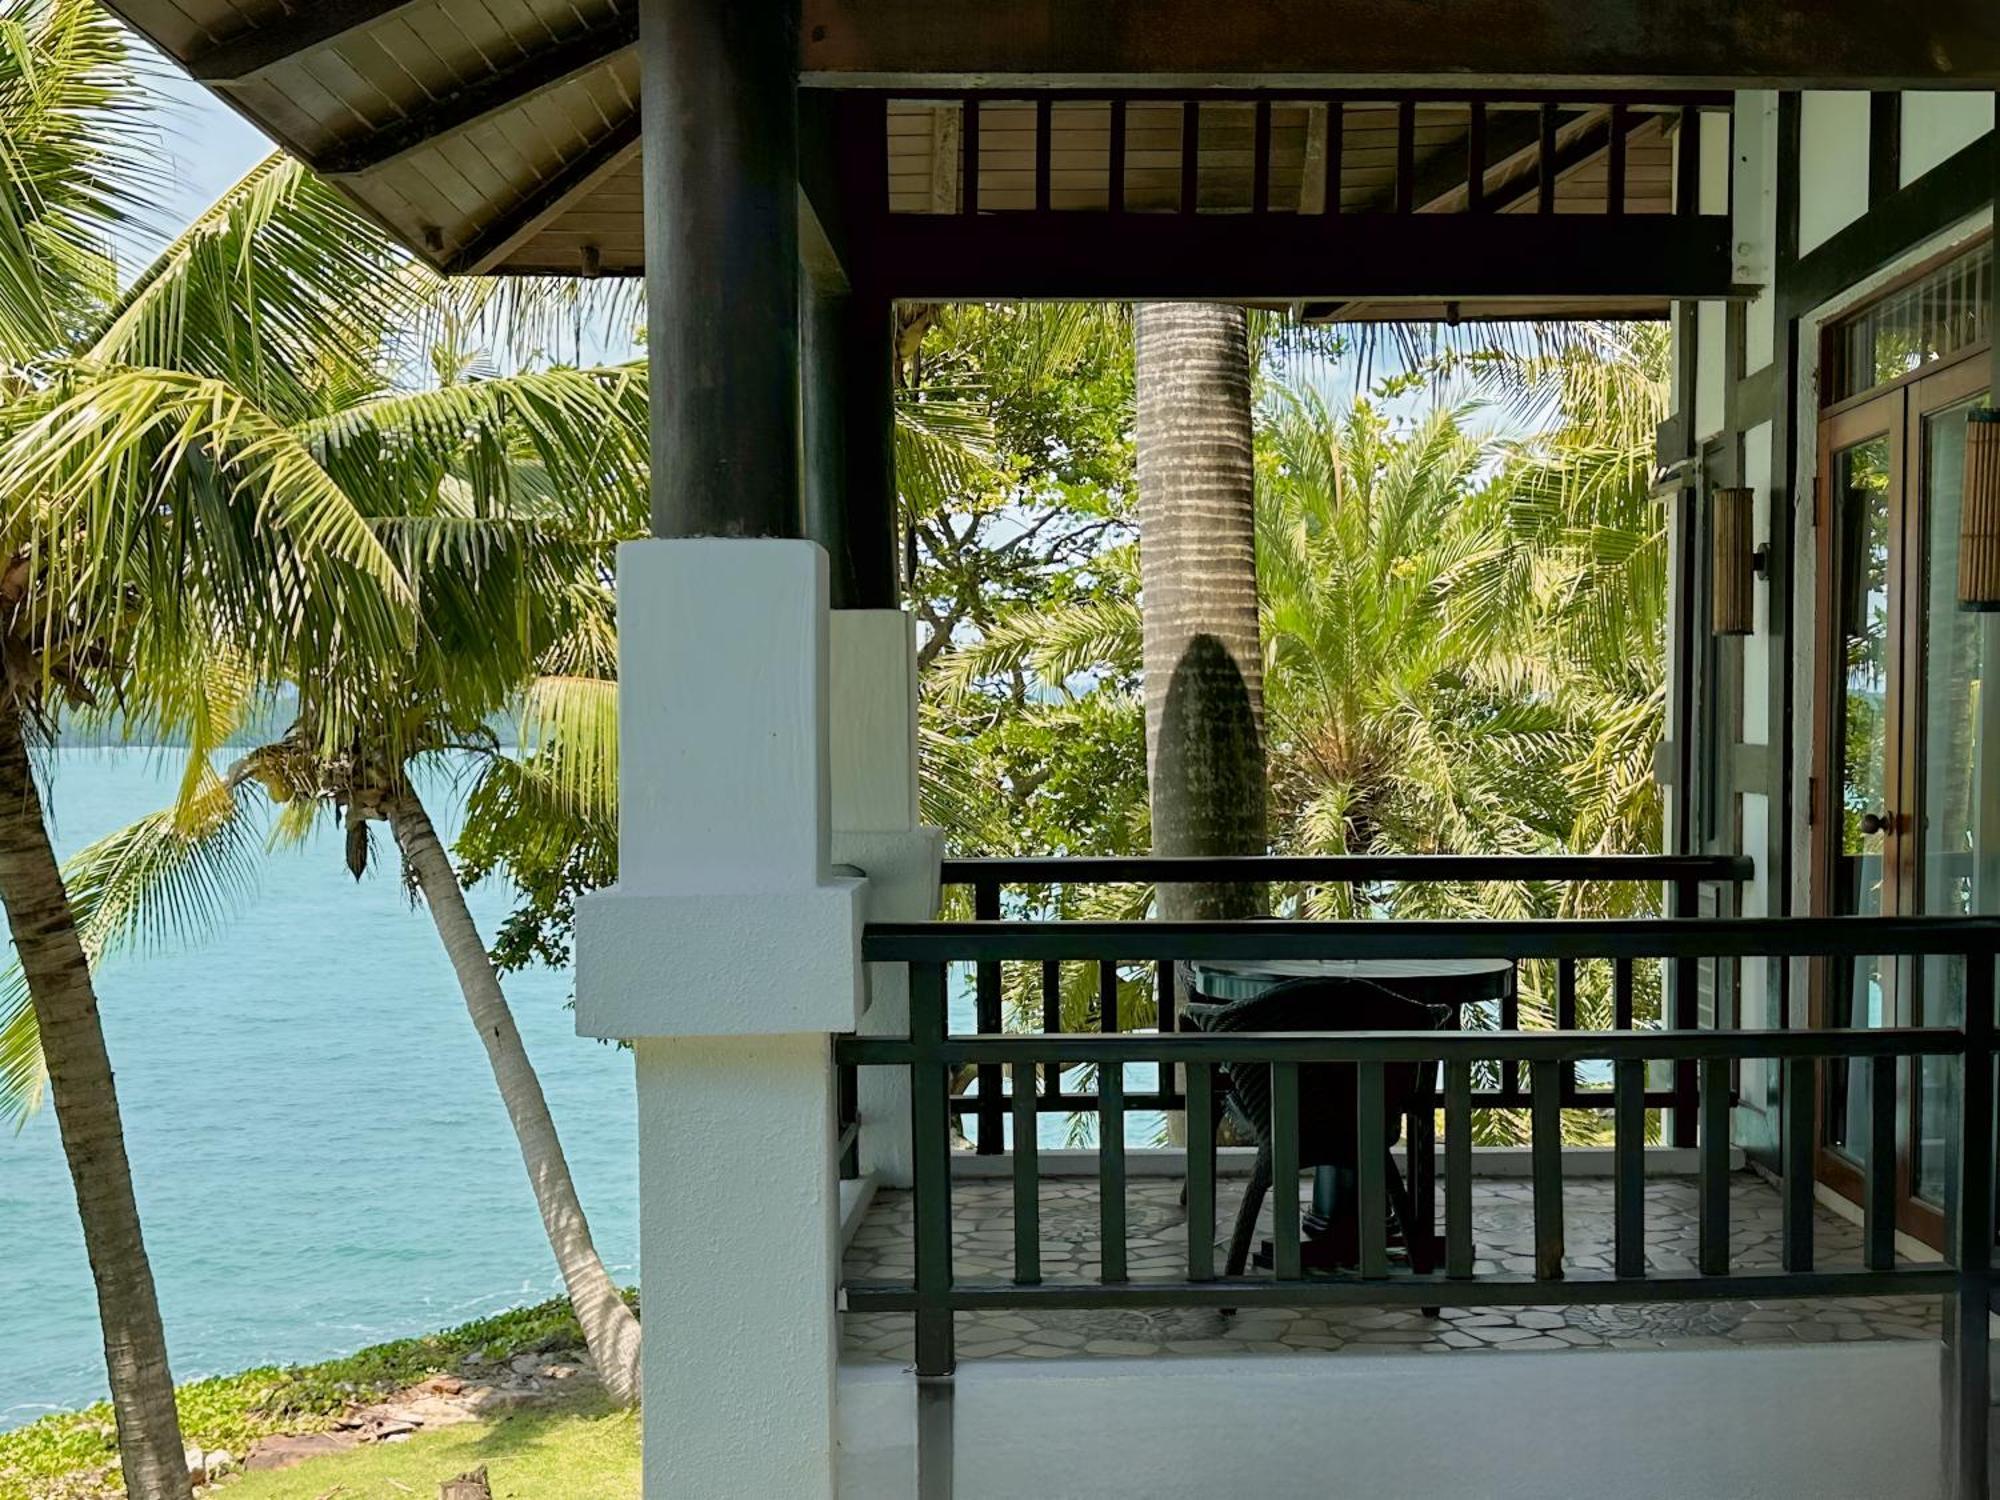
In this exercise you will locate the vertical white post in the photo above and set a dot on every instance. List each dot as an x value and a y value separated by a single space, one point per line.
876 830
729 953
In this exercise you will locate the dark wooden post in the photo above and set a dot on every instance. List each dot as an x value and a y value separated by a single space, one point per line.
722 265
850 420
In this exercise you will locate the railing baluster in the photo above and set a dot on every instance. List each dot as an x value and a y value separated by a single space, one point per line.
968 171
1111 1144
1107 996
1972 1236
1260 166
1166 1010
1027 1179
930 1149
1628 1148
1545 184
1336 143
1686 1017
1614 187
1566 1019
1800 1082
1190 156
1510 1020
848 1085
1687 165
1052 1022
1621 993
1115 191
1406 156
1878 1209
1458 1256
1045 132
1285 1170
1371 1169
1475 159
1714 1183
991 1107
1547 1152
1200 1172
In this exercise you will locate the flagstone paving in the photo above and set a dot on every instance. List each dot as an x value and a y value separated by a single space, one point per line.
1503 1218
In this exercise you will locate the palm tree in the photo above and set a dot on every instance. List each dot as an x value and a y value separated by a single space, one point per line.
1203 676
499 498
118 603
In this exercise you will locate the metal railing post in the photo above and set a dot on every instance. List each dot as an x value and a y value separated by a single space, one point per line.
930 1128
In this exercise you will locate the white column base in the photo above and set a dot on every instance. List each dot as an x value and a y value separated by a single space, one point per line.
739 1226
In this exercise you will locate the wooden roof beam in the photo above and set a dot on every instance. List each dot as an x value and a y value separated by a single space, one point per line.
520 223
289 34
1628 44
535 73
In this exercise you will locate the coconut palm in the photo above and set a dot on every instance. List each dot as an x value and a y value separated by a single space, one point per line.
499 499
1203 667
111 603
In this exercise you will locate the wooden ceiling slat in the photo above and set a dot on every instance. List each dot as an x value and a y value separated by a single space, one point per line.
287 33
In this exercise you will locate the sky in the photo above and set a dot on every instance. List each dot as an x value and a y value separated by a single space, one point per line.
209 146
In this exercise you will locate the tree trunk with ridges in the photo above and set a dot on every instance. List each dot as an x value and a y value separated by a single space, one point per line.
150 1452
1204 678
609 1327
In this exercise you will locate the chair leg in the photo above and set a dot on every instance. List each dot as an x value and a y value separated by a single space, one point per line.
1415 1240
1246 1214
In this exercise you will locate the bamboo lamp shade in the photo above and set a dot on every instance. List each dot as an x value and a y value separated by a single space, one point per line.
1733 559
1979 519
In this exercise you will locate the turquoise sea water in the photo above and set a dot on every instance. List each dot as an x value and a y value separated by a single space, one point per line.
321 1158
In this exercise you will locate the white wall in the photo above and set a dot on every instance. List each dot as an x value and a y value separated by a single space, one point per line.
1937 125
1833 162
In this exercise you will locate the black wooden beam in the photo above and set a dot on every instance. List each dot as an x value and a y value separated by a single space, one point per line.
287 34
1292 258
518 83
1953 190
1885 146
1522 43
491 245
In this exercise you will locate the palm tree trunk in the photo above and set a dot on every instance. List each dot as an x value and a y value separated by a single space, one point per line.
150 1452
608 1325
1204 677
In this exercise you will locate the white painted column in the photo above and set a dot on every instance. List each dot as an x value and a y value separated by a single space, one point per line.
876 830
729 953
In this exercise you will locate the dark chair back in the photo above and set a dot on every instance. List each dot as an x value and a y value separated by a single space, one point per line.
1327 1091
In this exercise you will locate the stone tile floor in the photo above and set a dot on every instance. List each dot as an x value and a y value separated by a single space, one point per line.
1503 1217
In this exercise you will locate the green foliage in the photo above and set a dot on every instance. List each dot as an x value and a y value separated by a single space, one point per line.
232 1411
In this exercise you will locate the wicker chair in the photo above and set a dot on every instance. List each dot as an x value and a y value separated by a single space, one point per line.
1327 1091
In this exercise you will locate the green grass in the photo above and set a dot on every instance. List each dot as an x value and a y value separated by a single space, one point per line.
74 1455
586 1451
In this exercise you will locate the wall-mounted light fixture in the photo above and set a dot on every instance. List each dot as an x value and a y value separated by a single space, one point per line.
1735 560
1979 516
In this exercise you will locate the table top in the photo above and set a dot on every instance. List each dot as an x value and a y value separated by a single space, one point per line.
1462 979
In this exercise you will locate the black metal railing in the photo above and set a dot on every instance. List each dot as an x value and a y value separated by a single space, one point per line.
933 1055
990 878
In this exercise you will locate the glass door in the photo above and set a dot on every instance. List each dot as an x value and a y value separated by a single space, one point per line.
1900 810
1856 822
1951 648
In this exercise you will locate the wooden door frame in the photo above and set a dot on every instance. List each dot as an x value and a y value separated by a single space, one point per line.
1898 411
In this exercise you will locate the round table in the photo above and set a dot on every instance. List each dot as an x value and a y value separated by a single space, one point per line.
1435 981
1457 982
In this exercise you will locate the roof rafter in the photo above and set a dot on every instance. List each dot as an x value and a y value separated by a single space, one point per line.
289 34
513 228
535 73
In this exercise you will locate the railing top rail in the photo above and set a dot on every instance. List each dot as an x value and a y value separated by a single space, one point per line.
1699 937
1348 869
1411 1046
